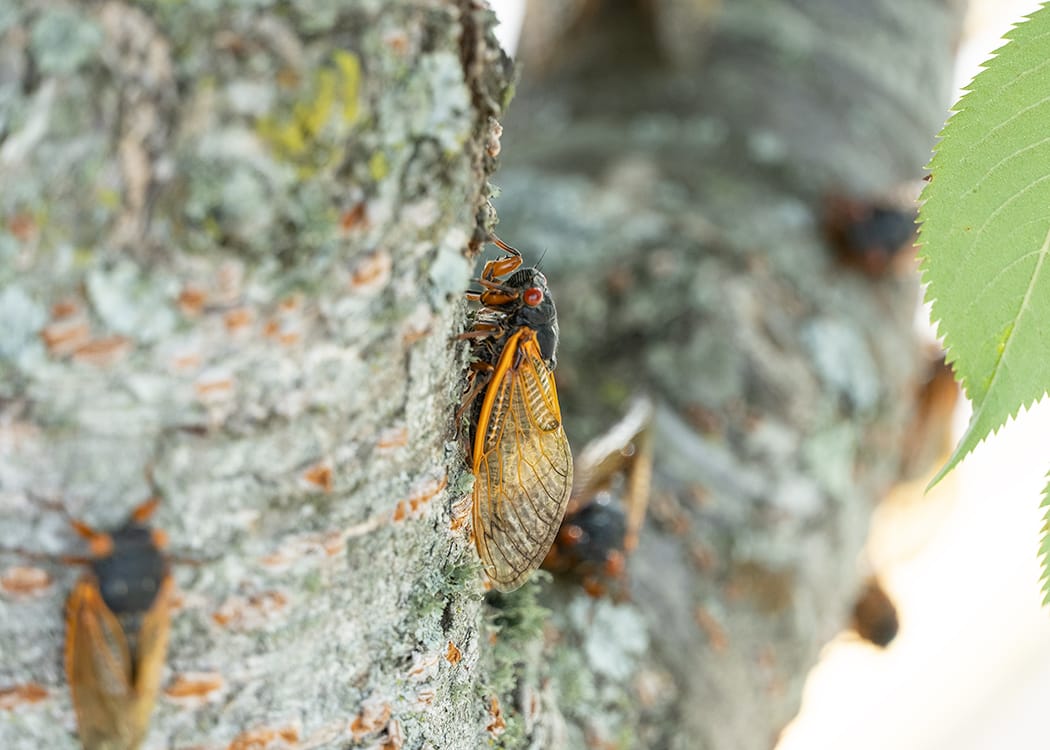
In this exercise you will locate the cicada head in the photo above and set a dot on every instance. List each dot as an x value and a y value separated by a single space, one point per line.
535 309
130 576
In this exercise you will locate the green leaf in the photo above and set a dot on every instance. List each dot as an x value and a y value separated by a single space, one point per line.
985 234
1044 546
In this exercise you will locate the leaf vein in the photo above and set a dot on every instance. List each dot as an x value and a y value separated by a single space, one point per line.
1001 361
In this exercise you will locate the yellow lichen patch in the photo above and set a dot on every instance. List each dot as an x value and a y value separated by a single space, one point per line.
350 69
311 130
378 166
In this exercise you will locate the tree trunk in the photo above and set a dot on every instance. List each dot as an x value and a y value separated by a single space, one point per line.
234 247
672 160
235 241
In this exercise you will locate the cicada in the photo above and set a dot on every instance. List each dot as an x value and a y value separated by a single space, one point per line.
520 456
117 622
875 236
607 506
874 615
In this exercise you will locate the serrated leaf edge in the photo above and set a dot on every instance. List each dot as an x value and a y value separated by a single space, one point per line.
1044 545
970 439
976 432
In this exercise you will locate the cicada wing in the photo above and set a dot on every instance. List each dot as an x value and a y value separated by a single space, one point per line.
149 658
625 448
113 689
522 466
98 667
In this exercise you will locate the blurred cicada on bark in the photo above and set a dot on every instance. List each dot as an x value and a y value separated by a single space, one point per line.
117 621
607 507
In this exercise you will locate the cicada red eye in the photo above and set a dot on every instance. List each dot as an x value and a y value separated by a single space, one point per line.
532 296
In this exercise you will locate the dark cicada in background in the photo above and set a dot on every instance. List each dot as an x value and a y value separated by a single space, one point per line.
607 506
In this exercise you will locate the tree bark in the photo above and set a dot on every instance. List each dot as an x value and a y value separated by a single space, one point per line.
235 238
234 243
671 160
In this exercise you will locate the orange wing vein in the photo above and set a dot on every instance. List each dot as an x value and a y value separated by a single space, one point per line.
113 689
522 465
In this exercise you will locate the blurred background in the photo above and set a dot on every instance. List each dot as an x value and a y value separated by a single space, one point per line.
967 669
679 159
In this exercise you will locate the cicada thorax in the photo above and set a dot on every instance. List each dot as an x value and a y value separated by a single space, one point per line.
519 453
130 578
536 311
523 300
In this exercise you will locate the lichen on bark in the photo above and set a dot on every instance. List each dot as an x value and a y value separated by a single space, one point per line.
234 242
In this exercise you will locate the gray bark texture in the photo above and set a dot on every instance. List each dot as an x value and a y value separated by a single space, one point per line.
234 238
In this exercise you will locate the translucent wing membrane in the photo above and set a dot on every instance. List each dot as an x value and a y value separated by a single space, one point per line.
522 464
99 669
113 688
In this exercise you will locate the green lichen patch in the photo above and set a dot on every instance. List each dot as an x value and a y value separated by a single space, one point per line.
515 623
435 590
9 16
230 189
132 303
22 317
448 116
62 40
310 130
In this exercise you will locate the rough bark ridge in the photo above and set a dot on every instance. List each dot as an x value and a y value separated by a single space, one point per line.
670 158
233 243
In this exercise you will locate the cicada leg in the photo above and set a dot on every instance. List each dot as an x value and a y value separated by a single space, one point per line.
145 510
496 299
475 386
100 544
501 266
493 294
482 331
505 247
